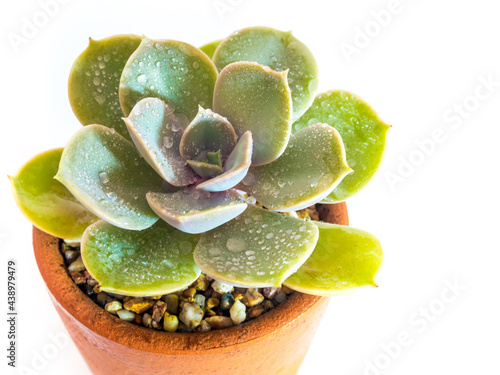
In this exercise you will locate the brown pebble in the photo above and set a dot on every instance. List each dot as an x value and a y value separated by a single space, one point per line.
201 283
270 292
219 322
77 265
103 299
78 277
158 310
172 301
268 305
189 292
71 256
204 326
287 290
256 311
138 319
138 305
90 280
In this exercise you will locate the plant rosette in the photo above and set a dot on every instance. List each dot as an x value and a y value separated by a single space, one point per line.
195 161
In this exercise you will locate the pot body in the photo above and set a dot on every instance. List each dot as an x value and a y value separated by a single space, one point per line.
274 343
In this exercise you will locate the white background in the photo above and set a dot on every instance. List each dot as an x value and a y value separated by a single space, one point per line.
438 223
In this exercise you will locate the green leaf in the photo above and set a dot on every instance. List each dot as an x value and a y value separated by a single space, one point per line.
259 248
363 133
236 167
175 72
210 48
152 262
214 158
193 211
256 98
46 202
157 133
205 169
105 172
278 50
344 259
207 132
311 167
94 80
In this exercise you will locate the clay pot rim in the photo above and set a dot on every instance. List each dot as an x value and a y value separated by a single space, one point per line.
67 295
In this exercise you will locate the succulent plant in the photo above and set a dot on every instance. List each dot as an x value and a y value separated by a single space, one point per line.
215 145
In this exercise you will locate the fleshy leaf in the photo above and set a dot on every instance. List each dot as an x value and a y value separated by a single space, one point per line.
176 72
152 262
46 202
363 133
210 48
193 211
104 171
311 167
236 167
94 80
344 259
259 248
157 133
214 158
278 50
256 98
204 169
208 132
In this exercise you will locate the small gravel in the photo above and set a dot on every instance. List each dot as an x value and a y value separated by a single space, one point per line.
205 305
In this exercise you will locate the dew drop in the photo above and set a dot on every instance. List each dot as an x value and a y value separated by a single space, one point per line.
249 179
141 79
103 176
168 142
235 245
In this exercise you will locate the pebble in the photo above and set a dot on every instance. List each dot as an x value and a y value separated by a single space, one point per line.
159 310
200 300
191 315
71 256
253 297
147 320
212 302
189 293
113 307
77 265
78 277
204 326
256 311
201 283
226 301
138 304
270 292
103 298
170 322
172 301
221 287
219 322
280 297
126 315
238 312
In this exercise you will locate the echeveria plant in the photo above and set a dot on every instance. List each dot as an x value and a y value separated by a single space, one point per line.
189 155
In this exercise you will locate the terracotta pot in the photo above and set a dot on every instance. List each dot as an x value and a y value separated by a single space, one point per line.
274 343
